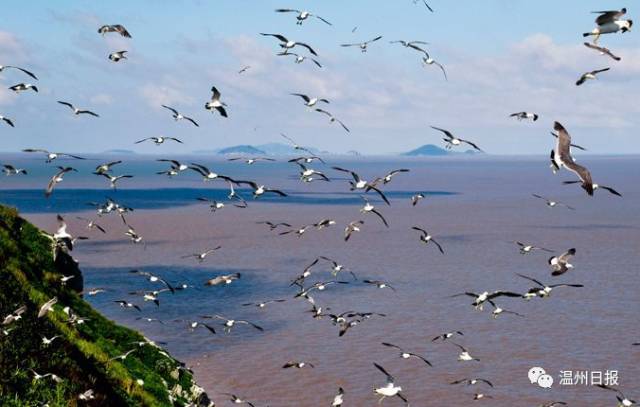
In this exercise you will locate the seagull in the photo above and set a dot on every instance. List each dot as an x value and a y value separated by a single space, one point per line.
551 203
115 28
416 198
425 237
213 204
387 178
207 174
237 400
543 290
560 264
307 173
359 183
215 103
306 273
406 355
609 22
117 56
51 156
64 279
427 60
480 396
7 120
324 223
602 51
259 190
48 341
622 399
159 140
299 58
230 323
127 304
3 67
287 44
193 325
87 395
336 267
497 311
115 178
525 116
451 140
273 226
244 69
178 116
471 382
379 284
333 119
106 167
262 304
297 365
307 160
310 102
590 75
320 286
56 179
464 355
389 389
351 228
480 299
302 15
338 399
410 44
295 145
124 355
368 208
223 279
596 187
15 315
131 233
77 111
153 279
251 160
37 376
201 256
11 170
425 3
47 307
362 45
23 86
95 291
176 166
447 335
528 248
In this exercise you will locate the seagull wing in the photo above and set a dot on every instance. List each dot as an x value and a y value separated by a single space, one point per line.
89 112
278 36
531 279
380 216
390 378
66 104
286 10
170 108
305 97
302 44
437 245
323 20
382 195
192 121
611 190
471 144
390 345
446 132
23 70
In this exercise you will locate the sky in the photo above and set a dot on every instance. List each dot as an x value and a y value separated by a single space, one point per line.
501 56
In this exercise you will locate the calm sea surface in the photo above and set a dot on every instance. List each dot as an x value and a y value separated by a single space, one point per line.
475 207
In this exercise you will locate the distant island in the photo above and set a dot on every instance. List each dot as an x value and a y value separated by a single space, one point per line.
262 149
119 151
433 150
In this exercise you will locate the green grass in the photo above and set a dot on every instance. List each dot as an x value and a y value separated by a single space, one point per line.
81 356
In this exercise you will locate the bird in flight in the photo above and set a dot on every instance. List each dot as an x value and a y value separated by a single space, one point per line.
302 15
362 45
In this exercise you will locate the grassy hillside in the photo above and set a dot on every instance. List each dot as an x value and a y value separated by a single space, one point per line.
82 354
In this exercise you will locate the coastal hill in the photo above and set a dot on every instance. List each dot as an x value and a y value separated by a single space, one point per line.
82 355
433 150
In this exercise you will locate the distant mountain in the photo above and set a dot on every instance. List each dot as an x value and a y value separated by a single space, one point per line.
433 150
428 149
242 149
284 149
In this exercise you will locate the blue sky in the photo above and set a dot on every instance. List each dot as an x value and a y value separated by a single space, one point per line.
501 56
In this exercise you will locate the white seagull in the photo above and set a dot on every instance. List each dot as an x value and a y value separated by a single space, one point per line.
560 264
179 116
302 15
452 140
114 28
390 389
117 56
215 103
287 44
362 45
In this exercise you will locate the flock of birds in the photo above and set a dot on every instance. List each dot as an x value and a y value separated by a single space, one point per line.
62 240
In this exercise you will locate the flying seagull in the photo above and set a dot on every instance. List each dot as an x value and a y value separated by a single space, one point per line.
7 120
299 58
127 304
50 155
21 87
387 178
3 67
528 248
497 311
425 237
543 290
411 44
351 228
206 173
525 116
609 22
359 183
390 389
11 170
309 101
406 355
117 56
362 45
287 44
215 103
622 399
159 140
47 307
447 335
480 299
259 190
452 140
91 224
262 304
113 179
416 198
244 69
223 279
302 15
562 158
178 116
472 381
551 203
560 264
56 179
297 364
369 208
333 119
202 256
106 167
602 51
228 324
596 187
338 399
379 284
464 355
427 60
115 28
590 75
